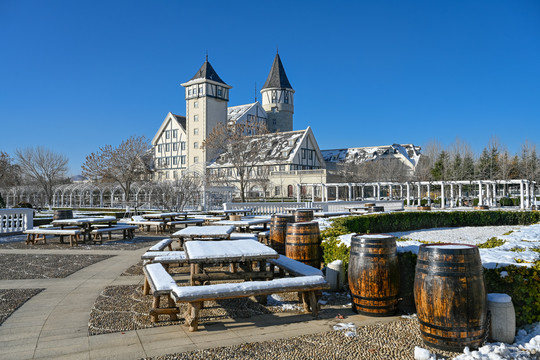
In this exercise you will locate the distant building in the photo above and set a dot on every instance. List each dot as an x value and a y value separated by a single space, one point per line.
291 157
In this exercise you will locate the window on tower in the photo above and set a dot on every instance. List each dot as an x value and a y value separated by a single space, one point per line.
195 117
195 145
196 159
183 145
219 91
196 104
196 131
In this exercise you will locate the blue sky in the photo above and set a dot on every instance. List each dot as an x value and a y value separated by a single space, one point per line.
77 75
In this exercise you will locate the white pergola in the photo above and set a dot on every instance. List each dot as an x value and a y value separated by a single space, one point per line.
450 192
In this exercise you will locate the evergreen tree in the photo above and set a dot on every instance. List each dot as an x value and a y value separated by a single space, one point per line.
483 165
468 167
440 168
457 168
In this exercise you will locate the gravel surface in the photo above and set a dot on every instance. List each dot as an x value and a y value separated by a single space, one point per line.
40 266
12 299
394 340
122 308
142 240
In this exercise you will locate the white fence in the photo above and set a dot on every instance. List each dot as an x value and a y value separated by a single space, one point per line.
268 208
13 221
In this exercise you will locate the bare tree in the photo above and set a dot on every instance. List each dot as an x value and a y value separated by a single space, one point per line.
239 150
176 195
45 167
9 171
124 164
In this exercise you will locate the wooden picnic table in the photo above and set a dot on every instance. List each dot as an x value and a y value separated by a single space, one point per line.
85 224
203 232
239 254
245 223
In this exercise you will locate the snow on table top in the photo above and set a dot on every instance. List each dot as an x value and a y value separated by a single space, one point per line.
244 236
80 221
232 250
243 222
206 231
163 215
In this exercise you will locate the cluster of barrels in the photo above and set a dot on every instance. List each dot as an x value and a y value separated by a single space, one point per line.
297 237
449 289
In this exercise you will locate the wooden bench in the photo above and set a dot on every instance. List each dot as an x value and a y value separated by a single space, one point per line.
294 267
128 232
39 234
158 280
196 295
165 243
146 223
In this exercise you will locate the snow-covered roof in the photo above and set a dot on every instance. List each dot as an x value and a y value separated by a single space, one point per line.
409 152
277 148
236 113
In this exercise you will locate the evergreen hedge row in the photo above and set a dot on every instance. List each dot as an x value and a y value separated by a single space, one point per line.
521 283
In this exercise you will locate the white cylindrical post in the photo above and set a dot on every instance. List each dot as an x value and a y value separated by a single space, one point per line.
503 318
363 196
521 196
488 195
298 194
408 194
378 191
335 275
527 195
312 193
428 194
419 194
452 198
480 197
442 195
374 192
460 196
349 186
390 188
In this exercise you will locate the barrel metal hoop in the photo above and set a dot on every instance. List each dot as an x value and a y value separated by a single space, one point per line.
457 340
446 273
378 246
302 244
360 306
451 329
394 297
372 255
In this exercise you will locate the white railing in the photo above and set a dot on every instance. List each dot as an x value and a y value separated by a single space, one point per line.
268 208
13 221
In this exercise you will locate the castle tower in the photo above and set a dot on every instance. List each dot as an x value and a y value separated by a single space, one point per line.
207 97
277 98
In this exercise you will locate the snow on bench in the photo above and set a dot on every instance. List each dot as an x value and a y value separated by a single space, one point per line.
196 295
295 267
165 243
33 235
127 231
158 280
151 255
264 237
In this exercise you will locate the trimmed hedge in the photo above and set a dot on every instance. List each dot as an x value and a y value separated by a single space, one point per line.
522 283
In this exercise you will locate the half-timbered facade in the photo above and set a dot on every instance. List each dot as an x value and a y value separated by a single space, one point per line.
169 147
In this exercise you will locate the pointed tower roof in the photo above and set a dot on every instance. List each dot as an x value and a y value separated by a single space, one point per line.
207 72
277 77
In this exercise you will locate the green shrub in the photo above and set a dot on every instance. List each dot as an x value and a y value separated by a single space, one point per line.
523 285
506 201
492 243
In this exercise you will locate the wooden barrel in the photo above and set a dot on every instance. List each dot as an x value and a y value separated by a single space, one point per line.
63 214
368 205
481 207
303 243
423 208
450 296
374 274
278 231
376 209
303 215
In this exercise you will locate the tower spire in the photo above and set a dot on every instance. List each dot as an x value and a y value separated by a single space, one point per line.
206 55
255 91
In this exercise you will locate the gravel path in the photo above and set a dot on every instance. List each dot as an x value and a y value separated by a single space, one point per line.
39 266
12 299
394 340
142 240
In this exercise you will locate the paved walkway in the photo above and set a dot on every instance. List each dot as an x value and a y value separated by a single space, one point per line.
54 323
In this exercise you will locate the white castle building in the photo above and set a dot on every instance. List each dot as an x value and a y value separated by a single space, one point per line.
292 157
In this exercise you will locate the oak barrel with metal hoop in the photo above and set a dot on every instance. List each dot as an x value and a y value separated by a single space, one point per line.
374 274
303 215
303 243
450 296
278 231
